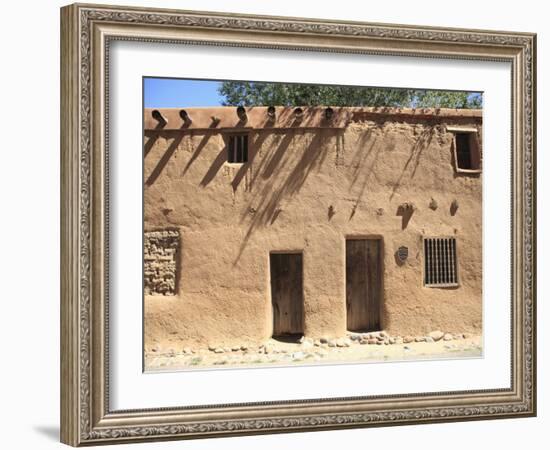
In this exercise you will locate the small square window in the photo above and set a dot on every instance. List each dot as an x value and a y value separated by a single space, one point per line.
237 148
467 152
440 262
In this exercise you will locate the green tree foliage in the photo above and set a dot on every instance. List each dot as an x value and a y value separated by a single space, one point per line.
447 99
281 94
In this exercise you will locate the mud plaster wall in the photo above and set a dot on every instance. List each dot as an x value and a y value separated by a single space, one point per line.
307 191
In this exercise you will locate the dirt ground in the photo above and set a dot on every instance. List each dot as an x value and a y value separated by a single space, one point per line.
352 349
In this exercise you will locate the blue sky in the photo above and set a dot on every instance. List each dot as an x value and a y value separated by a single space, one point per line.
176 93
181 93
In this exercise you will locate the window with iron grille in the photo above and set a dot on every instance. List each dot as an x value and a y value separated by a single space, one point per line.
440 262
237 148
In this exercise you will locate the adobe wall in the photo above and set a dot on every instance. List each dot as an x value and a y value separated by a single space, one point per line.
307 190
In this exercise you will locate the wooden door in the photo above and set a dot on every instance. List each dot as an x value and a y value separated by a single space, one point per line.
287 293
363 284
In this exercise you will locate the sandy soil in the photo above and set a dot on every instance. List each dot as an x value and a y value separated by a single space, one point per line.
277 353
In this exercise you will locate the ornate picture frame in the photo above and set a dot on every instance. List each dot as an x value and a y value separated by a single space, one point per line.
86 34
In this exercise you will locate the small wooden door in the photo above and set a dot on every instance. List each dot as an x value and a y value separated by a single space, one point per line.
363 284
287 293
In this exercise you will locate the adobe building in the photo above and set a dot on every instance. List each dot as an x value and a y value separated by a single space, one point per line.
314 221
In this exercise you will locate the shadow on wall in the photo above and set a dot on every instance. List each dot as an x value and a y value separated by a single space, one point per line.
217 164
253 151
421 143
51 432
178 137
155 173
151 139
366 157
406 211
361 166
267 201
280 184
197 152
266 204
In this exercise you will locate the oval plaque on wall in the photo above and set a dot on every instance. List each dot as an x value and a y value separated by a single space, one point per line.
402 253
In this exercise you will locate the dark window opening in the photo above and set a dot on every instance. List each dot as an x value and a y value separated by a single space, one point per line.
467 152
237 148
440 263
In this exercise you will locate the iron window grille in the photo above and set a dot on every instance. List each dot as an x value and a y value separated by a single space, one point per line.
440 262
237 148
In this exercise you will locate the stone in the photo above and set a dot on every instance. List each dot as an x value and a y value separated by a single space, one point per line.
429 339
343 342
408 339
383 334
323 340
391 340
436 335
159 261
298 355
244 348
372 341
379 342
332 343
235 348
398 340
448 337
218 350
420 339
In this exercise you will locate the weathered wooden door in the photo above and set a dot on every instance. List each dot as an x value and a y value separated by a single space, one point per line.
287 293
363 284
